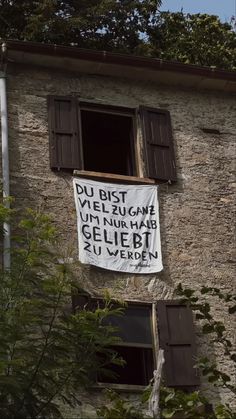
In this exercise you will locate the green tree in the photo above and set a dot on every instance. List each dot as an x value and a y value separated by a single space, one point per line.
127 26
103 24
193 39
47 352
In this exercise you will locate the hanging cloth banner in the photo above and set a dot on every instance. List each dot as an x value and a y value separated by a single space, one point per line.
118 226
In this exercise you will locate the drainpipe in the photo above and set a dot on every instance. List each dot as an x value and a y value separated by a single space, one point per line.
5 165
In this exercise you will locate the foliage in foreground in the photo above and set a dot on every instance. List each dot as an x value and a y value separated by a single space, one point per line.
174 404
179 404
119 408
47 352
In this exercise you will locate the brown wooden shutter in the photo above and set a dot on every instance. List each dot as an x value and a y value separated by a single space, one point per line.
177 338
64 133
158 143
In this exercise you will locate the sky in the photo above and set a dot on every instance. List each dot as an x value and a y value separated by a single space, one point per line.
225 9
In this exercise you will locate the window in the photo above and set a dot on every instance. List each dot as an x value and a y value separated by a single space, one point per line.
136 347
103 138
175 334
108 142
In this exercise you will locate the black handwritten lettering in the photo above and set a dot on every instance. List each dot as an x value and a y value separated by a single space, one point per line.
146 234
106 221
114 223
122 254
114 210
95 250
85 233
144 257
83 217
137 240
93 218
153 255
96 234
148 224
112 196
134 224
106 238
84 190
87 246
133 211
152 210
99 207
124 239
96 206
85 203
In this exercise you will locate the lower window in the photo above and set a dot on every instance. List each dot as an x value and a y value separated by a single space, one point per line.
167 324
136 347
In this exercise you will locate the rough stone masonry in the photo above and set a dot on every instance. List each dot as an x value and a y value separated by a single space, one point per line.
196 213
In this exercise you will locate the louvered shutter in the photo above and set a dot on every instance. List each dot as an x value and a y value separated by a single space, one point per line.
177 338
158 143
64 133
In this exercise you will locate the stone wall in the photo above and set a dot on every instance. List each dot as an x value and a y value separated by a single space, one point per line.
196 213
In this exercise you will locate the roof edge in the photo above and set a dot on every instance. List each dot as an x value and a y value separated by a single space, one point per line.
119 59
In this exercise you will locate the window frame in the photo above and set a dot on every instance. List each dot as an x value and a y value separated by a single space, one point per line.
112 110
136 387
159 341
81 301
159 166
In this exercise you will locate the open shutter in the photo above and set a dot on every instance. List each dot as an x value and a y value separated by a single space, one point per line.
64 133
177 338
158 143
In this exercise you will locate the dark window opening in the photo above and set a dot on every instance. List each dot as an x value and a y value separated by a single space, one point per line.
107 142
136 347
137 370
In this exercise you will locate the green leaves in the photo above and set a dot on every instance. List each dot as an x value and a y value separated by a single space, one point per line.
224 412
176 402
193 39
103 24
218 333
119 408
46 351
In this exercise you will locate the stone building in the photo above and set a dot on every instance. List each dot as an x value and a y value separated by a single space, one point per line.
172 125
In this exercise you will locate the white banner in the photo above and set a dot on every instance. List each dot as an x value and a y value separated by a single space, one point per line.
118 226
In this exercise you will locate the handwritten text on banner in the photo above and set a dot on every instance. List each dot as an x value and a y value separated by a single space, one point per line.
118 226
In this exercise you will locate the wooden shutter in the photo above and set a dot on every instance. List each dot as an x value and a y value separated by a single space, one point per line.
158 143
64 133
177 338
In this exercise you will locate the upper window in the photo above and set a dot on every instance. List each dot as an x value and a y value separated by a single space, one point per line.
108 142
141 335
103 138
